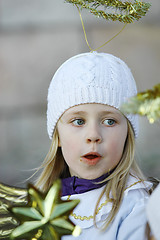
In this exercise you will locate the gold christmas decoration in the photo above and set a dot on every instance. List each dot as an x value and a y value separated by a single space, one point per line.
114 10
145 104
45 216
9 196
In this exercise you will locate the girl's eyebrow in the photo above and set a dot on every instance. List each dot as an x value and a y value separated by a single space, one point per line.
109 112
77 113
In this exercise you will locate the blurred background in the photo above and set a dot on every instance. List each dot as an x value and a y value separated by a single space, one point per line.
36 37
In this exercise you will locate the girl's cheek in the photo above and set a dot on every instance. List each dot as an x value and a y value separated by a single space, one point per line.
68 144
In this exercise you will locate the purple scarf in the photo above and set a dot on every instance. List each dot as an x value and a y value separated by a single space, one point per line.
75 185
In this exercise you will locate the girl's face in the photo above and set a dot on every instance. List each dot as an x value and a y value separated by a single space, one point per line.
92 139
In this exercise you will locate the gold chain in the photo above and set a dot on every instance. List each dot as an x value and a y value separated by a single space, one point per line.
98 209
91 216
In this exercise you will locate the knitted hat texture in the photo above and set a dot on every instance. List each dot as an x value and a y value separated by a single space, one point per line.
90 78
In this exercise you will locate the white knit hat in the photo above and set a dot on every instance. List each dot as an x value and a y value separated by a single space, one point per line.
90 78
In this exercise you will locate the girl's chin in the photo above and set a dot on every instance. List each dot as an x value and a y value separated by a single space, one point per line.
88 176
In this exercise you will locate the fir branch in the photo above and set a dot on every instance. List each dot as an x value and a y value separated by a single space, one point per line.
146 104
128 11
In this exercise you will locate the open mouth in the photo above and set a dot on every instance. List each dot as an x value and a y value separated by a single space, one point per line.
91 158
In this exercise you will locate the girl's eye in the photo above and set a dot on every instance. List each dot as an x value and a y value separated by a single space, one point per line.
78 122
109 122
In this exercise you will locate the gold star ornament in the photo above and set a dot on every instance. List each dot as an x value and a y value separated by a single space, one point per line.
46 216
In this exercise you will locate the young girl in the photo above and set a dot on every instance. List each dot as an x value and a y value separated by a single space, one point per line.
92 147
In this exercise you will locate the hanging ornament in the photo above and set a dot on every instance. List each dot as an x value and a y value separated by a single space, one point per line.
145 104
32 215
114 10
45 216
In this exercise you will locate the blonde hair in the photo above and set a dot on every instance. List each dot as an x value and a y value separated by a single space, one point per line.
54 167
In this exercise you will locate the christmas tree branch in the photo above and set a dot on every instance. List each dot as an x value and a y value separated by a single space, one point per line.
146 104
126 12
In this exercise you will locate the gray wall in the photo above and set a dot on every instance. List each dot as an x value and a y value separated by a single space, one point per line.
36 36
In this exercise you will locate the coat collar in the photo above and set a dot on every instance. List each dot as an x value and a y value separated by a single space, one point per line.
84 212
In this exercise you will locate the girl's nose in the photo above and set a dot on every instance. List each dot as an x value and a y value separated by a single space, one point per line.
93 136
94 140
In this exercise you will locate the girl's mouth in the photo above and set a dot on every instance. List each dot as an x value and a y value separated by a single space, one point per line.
91 158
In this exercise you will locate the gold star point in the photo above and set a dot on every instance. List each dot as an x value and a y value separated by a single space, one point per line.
45 216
